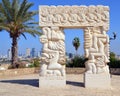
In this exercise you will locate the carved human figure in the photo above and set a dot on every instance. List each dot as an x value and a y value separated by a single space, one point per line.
97 52
100 41
90 16
73 18
88 41
57 18
101 66
64 18
56 39
105 14
96 66
51 54
90 67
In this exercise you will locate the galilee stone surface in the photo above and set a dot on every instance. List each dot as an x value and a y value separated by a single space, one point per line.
53 56
94 20
74 16
96 50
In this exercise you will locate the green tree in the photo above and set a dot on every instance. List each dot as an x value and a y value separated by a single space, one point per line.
77 61
76 43
114 62
17 19
112 56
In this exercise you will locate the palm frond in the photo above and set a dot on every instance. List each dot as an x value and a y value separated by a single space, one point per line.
32 23
22 7
28 5
4 27
23 35
15 8
29 15
7 8
32 32
2 18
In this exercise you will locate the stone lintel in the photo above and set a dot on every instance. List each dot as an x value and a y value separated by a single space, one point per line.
74 16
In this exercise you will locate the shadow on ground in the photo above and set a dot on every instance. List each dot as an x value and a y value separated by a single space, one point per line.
116 74
31 82
80 84
35 82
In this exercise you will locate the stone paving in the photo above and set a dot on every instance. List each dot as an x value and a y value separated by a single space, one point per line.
27 85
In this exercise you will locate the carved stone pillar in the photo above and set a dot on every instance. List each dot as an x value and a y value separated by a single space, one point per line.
53 57
97 51
87 40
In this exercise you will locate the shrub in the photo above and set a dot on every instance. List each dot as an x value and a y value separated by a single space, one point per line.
31 65
77 61
114 63
35 63
20 64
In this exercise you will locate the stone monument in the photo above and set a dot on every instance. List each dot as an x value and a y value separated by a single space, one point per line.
94 20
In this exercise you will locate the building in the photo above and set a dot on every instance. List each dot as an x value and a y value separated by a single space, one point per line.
33 53
27 52
117 57
38 53
9 54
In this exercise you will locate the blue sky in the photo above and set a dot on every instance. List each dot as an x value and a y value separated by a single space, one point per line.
31 42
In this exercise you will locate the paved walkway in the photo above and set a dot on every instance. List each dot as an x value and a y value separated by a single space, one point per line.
27 85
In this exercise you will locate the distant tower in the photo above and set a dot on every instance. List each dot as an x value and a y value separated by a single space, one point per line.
9 55
38 53
33 53
71 55
28 52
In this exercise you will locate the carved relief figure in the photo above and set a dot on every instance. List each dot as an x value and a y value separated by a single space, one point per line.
74 15
53 51
90 16
97 51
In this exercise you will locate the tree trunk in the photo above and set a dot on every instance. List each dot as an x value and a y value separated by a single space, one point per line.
76 50
14 52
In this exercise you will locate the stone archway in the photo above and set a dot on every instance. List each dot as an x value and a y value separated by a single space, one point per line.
94 20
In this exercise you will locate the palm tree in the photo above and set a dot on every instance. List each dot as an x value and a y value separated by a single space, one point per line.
17 19
76 43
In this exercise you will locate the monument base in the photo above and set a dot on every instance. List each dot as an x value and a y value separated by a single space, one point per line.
52 81
100 81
